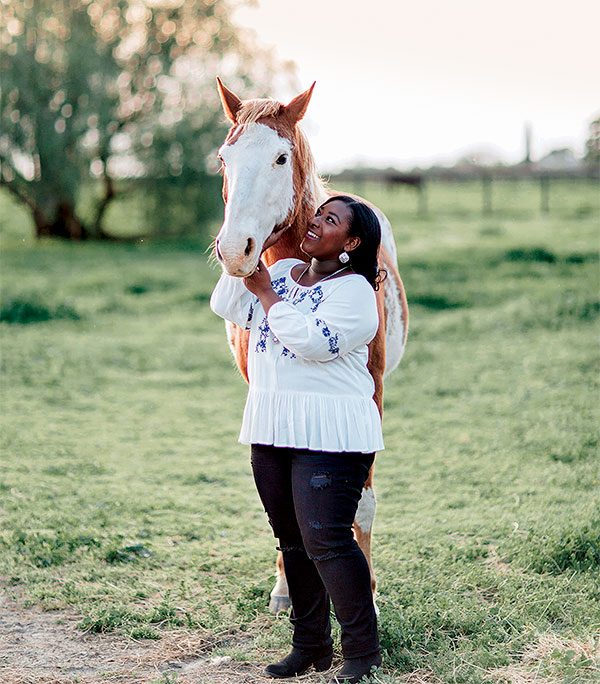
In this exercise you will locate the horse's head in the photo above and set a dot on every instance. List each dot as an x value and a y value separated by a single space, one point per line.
264 176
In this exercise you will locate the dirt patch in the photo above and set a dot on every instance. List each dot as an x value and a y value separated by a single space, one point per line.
48 647
38 647
550 650
498 566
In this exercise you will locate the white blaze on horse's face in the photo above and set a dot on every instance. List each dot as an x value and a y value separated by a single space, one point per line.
260 195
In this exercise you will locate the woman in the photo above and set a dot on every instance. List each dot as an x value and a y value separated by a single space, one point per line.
313 426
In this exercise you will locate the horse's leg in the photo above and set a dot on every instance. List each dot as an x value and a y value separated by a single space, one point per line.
363 524
365 514
280 598
238 343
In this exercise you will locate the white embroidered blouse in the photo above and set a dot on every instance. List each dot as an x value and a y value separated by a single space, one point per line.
307 361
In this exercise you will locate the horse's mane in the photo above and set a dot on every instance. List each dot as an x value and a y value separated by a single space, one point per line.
251 111
308 189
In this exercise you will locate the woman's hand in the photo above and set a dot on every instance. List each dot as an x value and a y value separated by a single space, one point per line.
259 283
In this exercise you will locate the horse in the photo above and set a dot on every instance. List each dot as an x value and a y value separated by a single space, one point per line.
271 189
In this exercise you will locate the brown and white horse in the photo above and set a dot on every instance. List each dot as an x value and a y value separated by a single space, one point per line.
271 189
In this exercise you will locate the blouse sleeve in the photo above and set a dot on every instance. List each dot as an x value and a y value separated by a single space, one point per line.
232 301
346 319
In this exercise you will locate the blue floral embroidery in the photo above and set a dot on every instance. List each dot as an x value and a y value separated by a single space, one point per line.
279 286
324 329
333 340
286 352
299 298
250 315
316 296
263 330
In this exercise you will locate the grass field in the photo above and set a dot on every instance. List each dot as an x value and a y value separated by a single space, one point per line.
124 493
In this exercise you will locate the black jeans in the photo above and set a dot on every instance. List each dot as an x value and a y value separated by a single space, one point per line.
311 498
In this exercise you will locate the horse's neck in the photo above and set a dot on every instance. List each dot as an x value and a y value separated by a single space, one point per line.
288 245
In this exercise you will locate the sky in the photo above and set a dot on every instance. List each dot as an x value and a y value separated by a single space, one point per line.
429 81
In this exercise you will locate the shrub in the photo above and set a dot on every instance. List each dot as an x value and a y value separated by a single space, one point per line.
562 551
25 309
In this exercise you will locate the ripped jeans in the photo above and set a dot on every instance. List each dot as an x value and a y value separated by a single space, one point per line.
311 498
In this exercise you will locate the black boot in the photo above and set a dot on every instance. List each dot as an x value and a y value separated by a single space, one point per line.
298 661
354 669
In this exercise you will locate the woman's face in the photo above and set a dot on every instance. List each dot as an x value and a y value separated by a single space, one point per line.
327 234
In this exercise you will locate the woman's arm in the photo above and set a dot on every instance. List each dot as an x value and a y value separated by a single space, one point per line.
232 301
345 320
259 283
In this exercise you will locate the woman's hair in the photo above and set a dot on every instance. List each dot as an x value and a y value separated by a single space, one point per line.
365 225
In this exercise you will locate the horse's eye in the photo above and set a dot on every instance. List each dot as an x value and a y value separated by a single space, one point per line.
281 160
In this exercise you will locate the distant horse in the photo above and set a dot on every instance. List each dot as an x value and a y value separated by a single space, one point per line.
271 190
394 178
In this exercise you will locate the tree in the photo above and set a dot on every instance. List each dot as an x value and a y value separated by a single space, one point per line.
592 145
105 90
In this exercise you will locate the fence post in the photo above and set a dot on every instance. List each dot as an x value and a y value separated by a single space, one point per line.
544 194
359 180
486 187
422 189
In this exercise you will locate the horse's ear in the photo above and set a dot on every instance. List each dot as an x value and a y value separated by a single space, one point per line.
296 109
230 101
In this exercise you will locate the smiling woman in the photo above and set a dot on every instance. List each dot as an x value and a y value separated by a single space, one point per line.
313 425
361 240
328 235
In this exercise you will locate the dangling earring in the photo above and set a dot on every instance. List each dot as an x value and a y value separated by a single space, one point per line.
344 257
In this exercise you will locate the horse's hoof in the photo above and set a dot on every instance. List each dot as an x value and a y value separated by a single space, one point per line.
279 603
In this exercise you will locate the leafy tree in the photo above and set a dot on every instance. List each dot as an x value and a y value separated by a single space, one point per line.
105 90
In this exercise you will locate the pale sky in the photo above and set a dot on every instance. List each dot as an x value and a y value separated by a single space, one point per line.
424 81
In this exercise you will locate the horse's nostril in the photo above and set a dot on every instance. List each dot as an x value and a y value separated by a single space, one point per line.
249 247
218 251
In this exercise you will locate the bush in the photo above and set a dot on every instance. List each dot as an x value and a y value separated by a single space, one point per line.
562 551
25 309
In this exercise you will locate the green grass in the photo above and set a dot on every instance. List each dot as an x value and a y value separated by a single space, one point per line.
124 494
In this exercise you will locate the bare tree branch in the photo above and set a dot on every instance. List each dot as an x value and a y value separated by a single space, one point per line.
109 194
